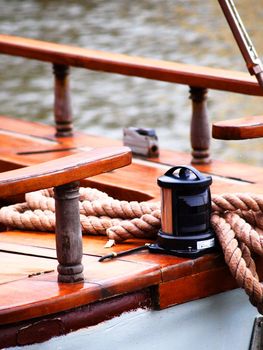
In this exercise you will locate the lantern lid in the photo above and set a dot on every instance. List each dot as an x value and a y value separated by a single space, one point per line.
182 177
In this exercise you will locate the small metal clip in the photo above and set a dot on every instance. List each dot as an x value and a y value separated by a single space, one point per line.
142 141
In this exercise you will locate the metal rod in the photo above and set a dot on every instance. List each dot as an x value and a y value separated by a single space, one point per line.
125 252
253 62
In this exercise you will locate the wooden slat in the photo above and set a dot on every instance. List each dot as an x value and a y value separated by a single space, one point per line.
238 129
28 241
212 78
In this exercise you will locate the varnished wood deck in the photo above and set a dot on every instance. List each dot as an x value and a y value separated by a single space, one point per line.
29 289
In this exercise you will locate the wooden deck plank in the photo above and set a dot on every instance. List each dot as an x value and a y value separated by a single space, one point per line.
172 267
18 267
225 169
41 294
42 297
26 240
26 127
14 245
200 277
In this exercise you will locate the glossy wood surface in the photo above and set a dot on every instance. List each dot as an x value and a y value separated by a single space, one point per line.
191 75
237 129
169 280
62 170
169 276
134 182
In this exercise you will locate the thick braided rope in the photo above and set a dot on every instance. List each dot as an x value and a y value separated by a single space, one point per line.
44 199
241 267
21 217
95 203
237 201
238 222
115 208
145 226
98 213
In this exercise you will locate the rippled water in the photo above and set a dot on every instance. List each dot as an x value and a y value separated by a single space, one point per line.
178 30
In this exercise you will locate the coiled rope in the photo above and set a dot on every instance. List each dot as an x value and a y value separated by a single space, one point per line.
236 218
99 214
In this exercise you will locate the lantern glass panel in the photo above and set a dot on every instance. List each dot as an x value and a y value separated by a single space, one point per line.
193 214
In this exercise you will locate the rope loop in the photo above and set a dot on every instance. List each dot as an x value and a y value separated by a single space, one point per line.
237 220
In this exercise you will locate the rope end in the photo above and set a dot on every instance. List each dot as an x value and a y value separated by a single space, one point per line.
110 243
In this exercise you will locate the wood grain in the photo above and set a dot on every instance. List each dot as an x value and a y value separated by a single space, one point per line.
172 72
130 180
195 286
21 266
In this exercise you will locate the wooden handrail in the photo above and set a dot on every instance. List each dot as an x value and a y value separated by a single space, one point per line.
63 170
211 78
63 174
199 79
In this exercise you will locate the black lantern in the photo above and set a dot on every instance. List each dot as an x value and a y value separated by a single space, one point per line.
186 209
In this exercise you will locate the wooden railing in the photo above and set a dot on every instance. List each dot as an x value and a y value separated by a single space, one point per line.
199 79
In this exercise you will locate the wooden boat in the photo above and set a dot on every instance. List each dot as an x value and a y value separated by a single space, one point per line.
37 302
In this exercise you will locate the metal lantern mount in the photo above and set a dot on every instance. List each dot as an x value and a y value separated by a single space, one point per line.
185 213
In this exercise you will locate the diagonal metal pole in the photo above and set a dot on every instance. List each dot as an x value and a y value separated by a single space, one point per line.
253 62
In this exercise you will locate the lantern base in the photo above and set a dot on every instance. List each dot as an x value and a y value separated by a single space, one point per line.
185 246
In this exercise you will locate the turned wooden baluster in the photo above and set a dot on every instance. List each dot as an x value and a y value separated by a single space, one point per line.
62 104
200 131
68 233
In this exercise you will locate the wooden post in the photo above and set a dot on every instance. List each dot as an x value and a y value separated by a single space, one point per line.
68 233
62 105
200 131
